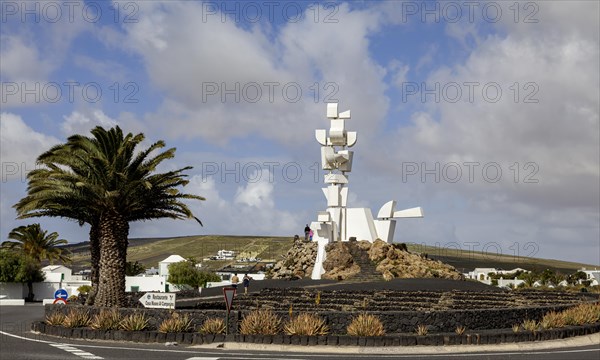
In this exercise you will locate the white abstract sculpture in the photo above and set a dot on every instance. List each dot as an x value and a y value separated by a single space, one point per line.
338 222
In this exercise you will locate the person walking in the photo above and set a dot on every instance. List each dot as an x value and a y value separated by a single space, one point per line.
306 232
235 280
246 282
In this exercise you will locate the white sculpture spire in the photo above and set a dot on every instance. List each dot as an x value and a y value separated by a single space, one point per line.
337 160
338 222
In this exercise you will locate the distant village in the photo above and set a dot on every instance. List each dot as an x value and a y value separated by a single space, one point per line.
156 279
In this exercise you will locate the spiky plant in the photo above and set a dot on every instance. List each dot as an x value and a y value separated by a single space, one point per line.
366 325
134 322
422 329
213 326
106 320
460 329
531 325
306 324
262 322
56 318
553 320
176 323
77 318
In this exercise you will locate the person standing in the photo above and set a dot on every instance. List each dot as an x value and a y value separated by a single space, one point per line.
306 232
235 280
246 282
310 234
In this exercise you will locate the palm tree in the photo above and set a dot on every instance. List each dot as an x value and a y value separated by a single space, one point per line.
103 181
36 244
48 195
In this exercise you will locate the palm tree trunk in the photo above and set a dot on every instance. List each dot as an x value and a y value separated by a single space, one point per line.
30 294
95 261
114 230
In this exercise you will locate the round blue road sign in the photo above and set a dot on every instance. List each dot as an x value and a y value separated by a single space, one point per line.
61 294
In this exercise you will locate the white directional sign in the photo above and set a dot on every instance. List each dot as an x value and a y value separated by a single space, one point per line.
158 300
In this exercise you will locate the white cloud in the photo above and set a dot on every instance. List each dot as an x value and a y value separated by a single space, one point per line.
21 61
257 194
251 211
20 146
182 60
80 123
559 134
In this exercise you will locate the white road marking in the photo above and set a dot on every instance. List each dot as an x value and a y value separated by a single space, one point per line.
65 347
330 355
75 351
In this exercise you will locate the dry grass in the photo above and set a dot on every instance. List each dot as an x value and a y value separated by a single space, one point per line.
213 326
582 314
106 320
306 324
422 329
134 322
56 319
530 325
552 320
460 330
366 325
77 318
176 323
260 322
516 328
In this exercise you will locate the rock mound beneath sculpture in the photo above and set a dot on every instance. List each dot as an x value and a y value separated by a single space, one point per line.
361 261
298 262
346 260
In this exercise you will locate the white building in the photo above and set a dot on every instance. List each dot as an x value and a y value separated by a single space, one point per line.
158 283
163 266
155 283
593 276
482 275
55 277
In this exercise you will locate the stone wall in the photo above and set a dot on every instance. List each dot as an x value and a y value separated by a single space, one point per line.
394 321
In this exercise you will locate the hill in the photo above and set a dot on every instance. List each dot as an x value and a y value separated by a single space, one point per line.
465 260
149 251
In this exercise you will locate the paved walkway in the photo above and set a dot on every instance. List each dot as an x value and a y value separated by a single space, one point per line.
588 340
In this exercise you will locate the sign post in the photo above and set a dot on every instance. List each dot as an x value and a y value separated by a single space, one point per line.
158 300
228 294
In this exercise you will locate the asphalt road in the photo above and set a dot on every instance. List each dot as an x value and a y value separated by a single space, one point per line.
17 342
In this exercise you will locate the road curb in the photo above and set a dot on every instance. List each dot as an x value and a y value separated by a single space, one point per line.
481 339
593 339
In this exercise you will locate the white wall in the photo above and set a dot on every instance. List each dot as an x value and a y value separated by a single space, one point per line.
147 283
11 290
45 290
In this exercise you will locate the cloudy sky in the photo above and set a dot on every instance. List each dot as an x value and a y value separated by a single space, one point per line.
486 114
